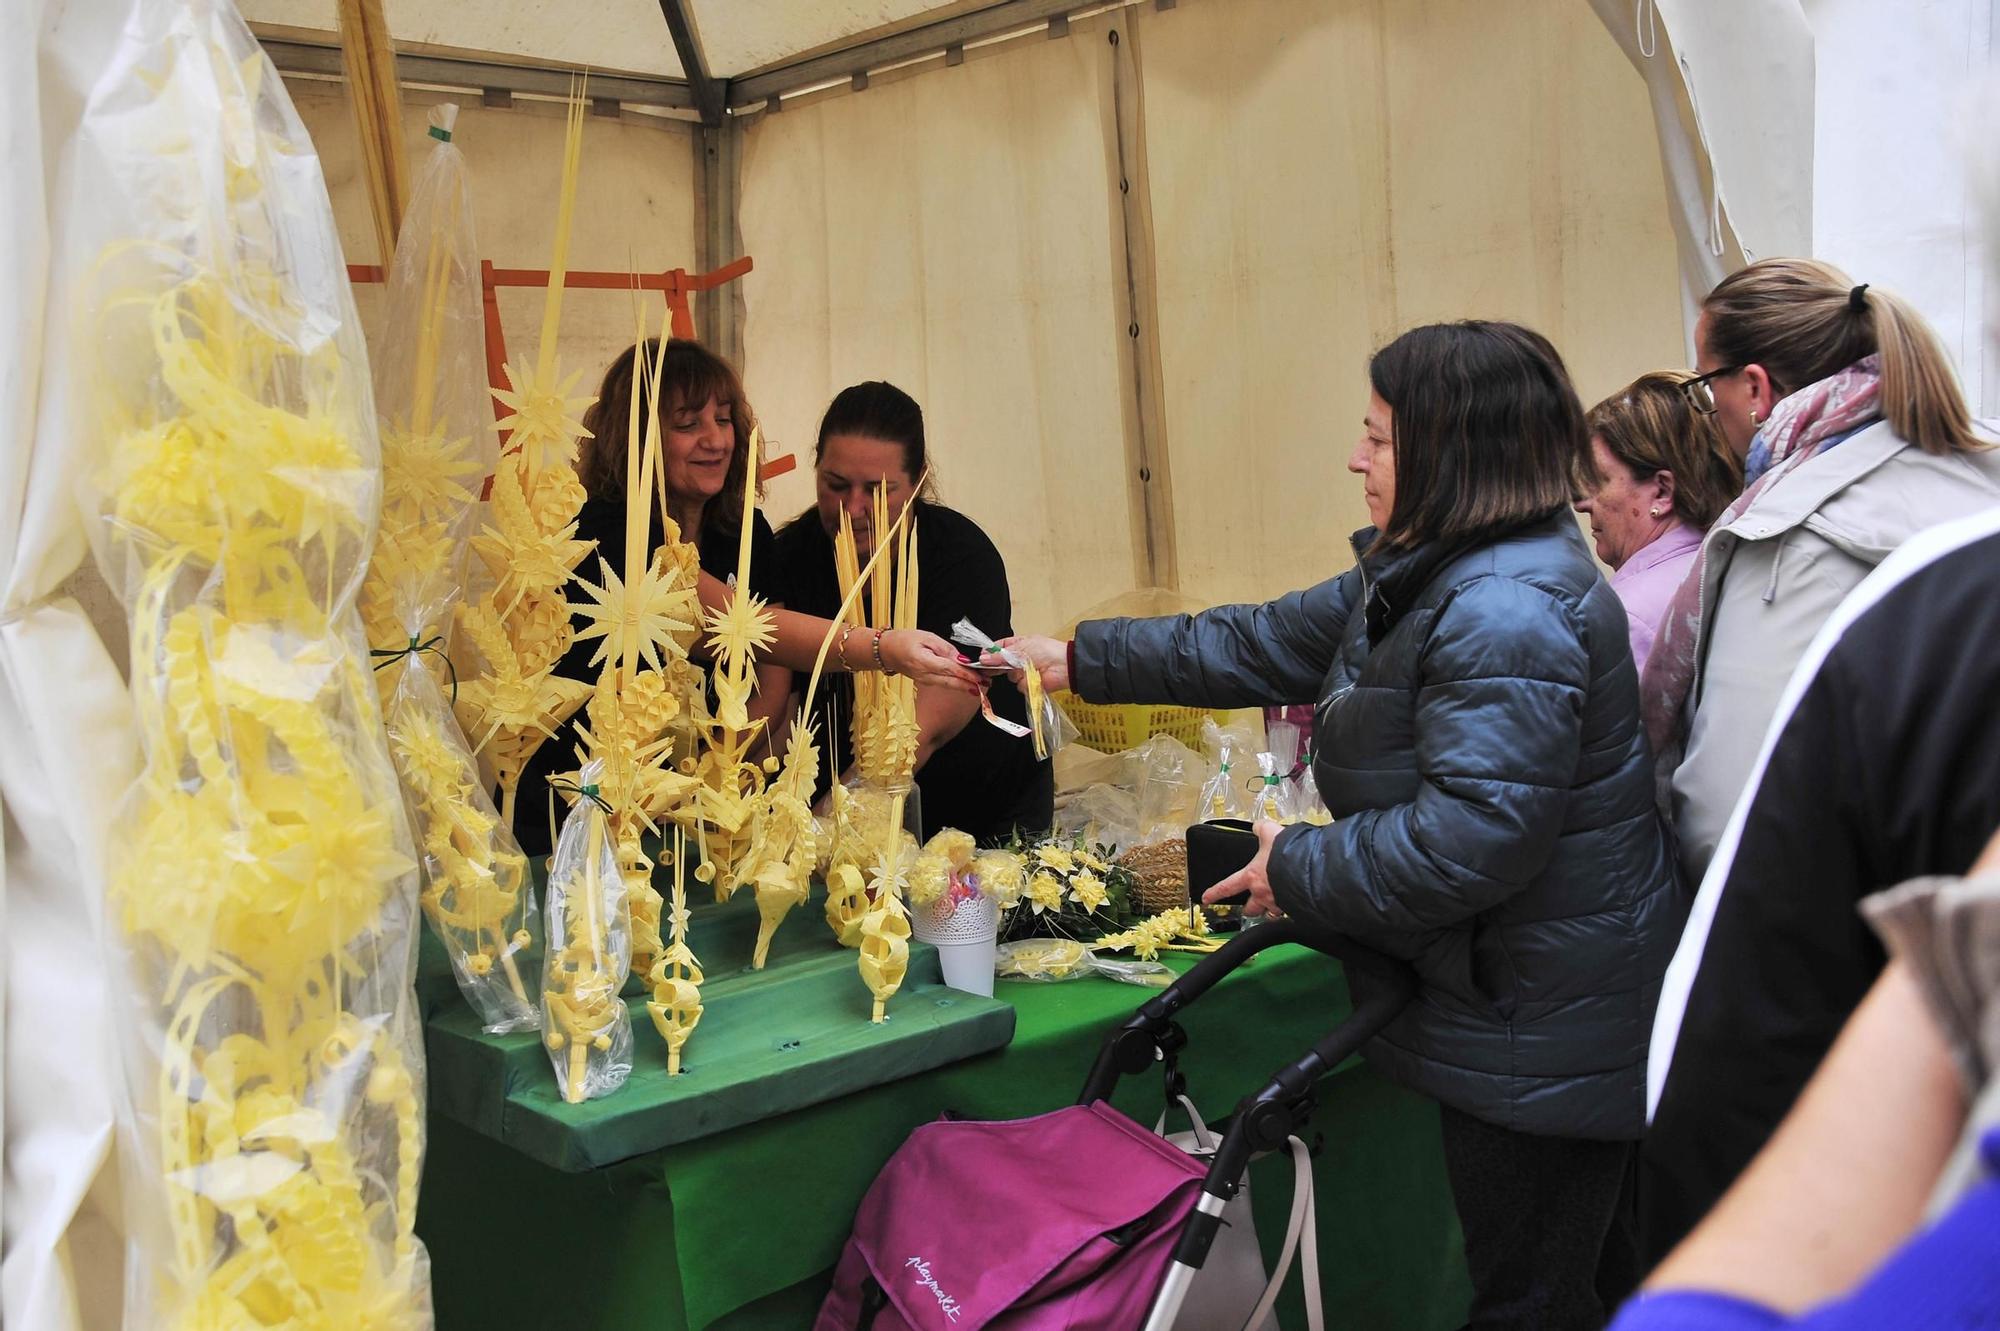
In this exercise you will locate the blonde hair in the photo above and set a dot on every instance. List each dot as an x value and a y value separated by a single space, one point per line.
1649 426
1803 320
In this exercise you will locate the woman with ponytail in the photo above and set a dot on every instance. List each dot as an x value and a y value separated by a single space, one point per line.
1854 436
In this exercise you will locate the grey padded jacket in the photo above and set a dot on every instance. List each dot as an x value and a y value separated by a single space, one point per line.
1477 738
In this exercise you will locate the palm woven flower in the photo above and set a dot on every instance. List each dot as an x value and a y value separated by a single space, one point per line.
546 415
656 610
424 474
740 630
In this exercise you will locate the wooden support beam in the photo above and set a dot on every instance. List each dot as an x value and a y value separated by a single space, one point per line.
1148 477
369 62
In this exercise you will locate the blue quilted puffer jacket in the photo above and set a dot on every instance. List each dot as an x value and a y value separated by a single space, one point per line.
1477 739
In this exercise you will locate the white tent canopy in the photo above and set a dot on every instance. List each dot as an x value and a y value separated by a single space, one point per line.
1131 258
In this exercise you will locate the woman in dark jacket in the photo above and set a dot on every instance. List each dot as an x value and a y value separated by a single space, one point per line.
1478 740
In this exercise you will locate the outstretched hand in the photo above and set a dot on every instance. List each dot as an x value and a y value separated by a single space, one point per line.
1253 877
928 659
1049 655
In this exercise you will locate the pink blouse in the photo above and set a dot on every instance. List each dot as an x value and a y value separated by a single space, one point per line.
1646 583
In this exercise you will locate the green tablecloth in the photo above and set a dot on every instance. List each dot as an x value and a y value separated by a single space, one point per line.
739 1230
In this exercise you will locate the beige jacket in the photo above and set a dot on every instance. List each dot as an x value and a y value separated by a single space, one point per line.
1771 578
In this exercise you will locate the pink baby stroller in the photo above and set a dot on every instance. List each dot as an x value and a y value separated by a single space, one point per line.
1082 1219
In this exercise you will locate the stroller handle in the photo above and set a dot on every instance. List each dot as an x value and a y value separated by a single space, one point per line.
1133 1046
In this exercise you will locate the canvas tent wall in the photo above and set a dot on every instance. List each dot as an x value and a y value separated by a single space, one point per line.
1313 176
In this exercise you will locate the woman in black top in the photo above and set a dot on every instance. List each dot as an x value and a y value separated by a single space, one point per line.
971 775
704 451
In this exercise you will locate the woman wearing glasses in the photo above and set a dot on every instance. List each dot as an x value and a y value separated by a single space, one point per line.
1854 437
1658 472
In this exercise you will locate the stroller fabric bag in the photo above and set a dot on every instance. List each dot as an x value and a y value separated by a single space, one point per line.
1063 1221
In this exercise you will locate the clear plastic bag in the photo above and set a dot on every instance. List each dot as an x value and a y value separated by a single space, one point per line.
1102 815
1281 741
586 1027
1169 787
1048 726
1058 960
1226 793
262 907
438 445
1312 809
1273 796
477 892
1042 959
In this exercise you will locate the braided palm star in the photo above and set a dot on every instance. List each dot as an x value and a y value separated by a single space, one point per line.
745 627
547 420
656 610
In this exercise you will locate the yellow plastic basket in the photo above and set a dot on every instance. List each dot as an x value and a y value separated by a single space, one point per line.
1116 727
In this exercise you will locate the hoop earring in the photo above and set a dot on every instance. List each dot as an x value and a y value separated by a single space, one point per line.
1753 417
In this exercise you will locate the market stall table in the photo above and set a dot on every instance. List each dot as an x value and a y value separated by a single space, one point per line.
741 1229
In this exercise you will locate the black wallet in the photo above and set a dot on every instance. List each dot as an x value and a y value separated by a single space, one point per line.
1216 850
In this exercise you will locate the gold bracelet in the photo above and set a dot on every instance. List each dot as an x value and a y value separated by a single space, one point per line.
840 649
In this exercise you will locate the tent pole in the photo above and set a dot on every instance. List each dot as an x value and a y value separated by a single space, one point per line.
718 181
1149 483
710 95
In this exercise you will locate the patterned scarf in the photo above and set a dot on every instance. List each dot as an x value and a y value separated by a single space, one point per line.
1800 426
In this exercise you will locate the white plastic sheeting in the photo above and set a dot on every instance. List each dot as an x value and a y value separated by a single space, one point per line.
1895 132
1835 128
67 751
635 207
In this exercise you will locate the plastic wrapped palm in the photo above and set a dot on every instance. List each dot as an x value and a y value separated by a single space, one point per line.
263 893
585 1024
437 445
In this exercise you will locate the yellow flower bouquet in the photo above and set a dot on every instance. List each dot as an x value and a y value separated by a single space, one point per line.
1067 890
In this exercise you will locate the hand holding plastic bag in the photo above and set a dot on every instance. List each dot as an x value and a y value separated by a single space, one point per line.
1047 724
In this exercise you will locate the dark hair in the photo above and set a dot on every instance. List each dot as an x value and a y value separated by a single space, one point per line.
1650 427
1486 430
1803 320
693 376
879 410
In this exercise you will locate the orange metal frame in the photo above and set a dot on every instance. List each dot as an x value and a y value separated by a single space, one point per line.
677 283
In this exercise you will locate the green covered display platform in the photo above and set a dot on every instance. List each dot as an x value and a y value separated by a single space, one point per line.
738 1229
770 1041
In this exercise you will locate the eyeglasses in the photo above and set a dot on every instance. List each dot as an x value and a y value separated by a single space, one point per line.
1701 393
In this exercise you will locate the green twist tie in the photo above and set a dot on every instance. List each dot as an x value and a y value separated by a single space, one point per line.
385 656
588 792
